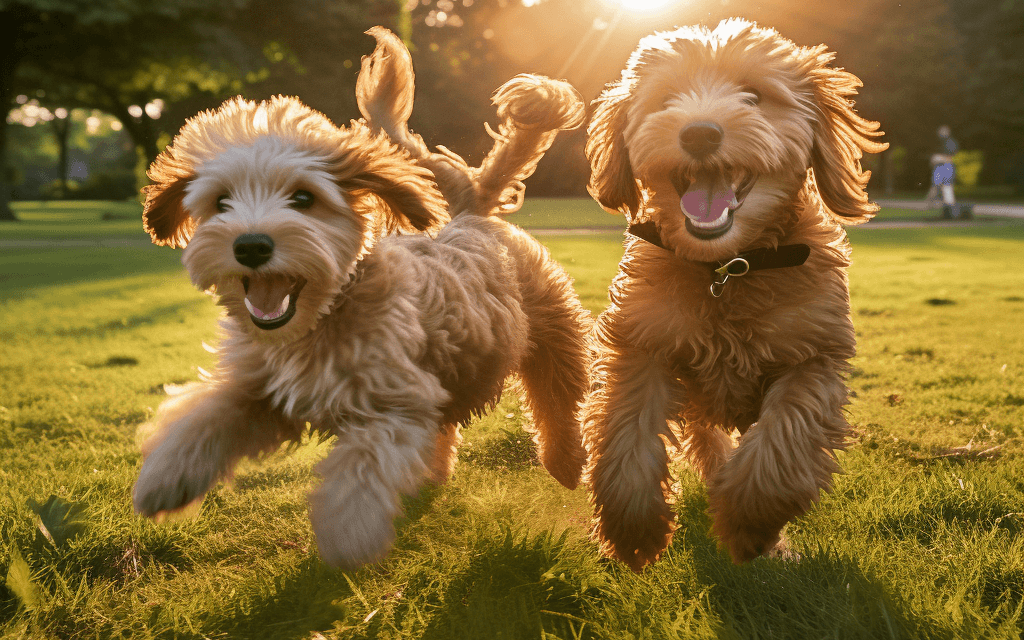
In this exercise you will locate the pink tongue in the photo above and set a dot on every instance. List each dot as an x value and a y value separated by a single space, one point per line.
266 292
705 201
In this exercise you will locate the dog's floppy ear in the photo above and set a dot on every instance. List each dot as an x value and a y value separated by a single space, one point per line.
371 165
840 138
163 215
612 182
412 199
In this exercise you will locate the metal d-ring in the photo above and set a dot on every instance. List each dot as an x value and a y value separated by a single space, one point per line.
735 267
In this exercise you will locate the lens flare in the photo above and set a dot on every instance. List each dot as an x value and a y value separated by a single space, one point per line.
642 5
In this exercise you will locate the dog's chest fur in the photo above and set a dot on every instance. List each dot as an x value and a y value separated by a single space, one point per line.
726 351
427 323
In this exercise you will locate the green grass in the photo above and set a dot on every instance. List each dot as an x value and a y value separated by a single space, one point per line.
565 213
923 536
80 220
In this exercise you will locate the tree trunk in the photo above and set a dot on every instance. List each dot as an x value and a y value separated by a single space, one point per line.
6 213
142 132
9 55
61 128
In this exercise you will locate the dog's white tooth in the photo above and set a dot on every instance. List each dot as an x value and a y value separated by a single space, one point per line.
252 310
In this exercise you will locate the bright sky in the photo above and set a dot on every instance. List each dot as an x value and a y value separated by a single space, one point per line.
638 6
642 5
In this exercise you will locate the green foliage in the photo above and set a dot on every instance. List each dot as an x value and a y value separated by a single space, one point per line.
59 520
920 538
19 581
107 155
968 166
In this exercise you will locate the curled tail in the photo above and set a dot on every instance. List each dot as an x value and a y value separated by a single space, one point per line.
532 110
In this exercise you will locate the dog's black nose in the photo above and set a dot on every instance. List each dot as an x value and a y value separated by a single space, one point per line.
253 249
700 139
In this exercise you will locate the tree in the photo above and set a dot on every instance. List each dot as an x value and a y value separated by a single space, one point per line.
991 48
113 55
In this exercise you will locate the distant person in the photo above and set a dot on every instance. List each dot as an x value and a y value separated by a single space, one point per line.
943 173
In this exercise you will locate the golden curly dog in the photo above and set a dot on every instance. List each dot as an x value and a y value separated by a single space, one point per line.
717 145
387 342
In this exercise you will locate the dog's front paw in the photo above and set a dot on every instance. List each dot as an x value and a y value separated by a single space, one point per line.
353 523
745 542
170 480
636 536
746 526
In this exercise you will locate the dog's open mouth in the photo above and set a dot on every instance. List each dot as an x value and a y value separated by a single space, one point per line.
270 299
710 199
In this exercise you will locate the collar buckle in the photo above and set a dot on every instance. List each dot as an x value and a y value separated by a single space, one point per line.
734 268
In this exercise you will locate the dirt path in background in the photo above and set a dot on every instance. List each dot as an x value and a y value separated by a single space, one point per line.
134 243
885 224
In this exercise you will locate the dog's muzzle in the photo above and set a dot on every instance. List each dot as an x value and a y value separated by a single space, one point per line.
709 198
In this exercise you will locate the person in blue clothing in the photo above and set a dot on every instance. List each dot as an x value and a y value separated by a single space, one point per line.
944 173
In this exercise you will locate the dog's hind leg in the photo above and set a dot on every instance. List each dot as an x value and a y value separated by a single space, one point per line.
555 368
706 449
783 462
442 462
625 419
554 373
198 435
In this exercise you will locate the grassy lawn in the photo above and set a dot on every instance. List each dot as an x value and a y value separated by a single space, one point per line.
923 536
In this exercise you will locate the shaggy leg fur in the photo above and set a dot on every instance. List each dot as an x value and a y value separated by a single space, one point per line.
365 475
624 422
783 462
706 448
554 371
442 463
200 434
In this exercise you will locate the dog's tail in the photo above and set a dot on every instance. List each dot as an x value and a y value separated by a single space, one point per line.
532 110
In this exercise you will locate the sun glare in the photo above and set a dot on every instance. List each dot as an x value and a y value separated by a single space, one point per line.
643 5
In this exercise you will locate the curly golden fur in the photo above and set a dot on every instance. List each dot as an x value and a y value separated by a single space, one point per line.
727 140
390 342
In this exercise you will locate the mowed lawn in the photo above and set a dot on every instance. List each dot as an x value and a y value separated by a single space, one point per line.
923 536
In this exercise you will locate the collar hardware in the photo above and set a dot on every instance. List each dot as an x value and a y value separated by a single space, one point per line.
734 268
786 255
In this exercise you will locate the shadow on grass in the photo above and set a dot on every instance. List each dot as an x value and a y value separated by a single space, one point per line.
822 594
22 270
153 315
515 586
310 597
293 606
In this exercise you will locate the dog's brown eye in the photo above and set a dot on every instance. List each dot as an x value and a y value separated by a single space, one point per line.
754 96
302 199
221 204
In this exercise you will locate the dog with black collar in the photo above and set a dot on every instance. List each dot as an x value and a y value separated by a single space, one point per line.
734 153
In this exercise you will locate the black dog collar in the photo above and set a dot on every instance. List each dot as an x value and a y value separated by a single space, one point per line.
787 255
